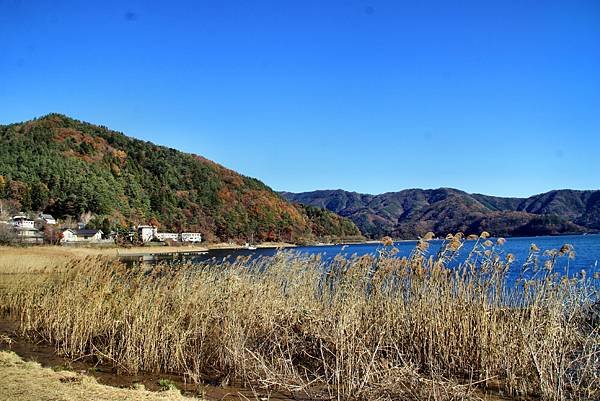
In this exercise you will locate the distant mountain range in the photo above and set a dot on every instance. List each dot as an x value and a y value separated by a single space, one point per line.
413 212
72 168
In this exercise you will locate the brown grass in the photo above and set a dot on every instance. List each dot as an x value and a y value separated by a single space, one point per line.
372 328
45 258
26 381
41 258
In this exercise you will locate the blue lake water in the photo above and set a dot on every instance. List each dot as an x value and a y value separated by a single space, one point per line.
586 247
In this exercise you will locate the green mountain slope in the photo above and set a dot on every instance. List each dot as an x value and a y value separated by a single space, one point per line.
413 212
68 167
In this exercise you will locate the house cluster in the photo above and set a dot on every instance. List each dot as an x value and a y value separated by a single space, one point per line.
30 231
150 233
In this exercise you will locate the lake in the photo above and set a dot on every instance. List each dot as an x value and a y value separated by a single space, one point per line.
586 247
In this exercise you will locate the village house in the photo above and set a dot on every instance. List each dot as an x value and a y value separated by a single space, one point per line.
183 237
77 236
29 236
167 236
146 233
25 231
191 237
46 219
22 222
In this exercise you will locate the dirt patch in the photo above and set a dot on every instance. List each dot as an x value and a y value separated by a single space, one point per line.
23 381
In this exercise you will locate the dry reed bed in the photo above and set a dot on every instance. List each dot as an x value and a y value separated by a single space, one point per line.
372 327
30 259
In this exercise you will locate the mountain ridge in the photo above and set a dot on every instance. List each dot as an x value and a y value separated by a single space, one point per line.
412 212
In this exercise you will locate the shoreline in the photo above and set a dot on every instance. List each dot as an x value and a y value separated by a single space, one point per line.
86 250
160 250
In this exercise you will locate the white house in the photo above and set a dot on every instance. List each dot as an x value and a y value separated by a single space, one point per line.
23 231
47 219
146 233
167 236
22 222
28 235
70 235
191 237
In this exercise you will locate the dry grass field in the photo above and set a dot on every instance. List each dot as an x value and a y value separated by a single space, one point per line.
26 381
365 328
42 258
45 258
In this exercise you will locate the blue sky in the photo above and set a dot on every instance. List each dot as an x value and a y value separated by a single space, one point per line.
493 97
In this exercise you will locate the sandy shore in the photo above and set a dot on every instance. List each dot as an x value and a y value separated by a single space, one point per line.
227 245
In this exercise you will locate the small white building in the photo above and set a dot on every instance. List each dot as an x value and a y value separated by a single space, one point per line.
191 237
70 235
146 233
22 222
21 231
28 235
167 236
47 219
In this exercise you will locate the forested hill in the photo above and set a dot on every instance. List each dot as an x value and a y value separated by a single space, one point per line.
67 167
414 212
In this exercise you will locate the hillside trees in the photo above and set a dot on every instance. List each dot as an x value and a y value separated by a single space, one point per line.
68 167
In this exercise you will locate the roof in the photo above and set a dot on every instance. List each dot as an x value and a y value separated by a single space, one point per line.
85 233
46 216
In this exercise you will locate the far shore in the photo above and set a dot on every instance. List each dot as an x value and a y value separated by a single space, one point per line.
12 258
17 259
91 250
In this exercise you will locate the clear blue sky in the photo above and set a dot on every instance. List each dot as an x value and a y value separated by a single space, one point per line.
373 96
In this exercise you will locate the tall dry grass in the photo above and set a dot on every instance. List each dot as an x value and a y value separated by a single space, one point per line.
364 328
30 259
